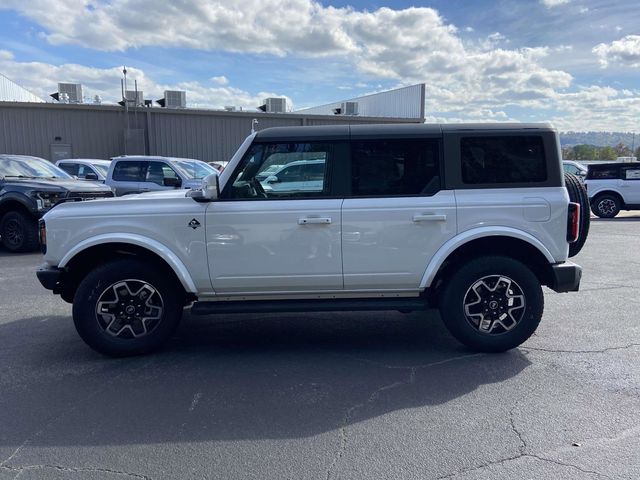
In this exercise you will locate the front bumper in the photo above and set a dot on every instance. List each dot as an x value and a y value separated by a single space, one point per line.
50 277
566 277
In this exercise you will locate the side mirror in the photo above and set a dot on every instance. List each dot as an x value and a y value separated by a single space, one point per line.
172 182
211 186
91 176
271 179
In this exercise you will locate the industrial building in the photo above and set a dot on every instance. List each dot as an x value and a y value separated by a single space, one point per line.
77 130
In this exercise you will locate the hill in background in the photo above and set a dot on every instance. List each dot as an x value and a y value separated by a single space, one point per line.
600 139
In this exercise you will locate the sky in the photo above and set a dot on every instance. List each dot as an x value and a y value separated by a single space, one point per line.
575 63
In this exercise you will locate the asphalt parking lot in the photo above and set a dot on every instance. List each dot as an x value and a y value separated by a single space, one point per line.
328 396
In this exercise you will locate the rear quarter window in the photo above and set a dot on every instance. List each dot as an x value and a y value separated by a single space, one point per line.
503 159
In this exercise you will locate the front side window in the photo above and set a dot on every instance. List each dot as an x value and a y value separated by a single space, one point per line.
129 171
500 160
158 171
603 173
394 167
282 170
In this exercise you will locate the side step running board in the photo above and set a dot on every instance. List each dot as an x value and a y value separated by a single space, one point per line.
333 305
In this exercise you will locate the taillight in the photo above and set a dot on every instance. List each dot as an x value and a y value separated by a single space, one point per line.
42 236
573 222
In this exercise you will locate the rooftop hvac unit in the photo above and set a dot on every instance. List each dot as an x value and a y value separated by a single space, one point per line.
175 99
274 105
229 108
349 108
73 92
134 97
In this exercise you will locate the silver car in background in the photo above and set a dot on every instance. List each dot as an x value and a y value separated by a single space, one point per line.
141 173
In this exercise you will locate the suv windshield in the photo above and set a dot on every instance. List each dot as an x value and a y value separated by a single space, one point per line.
30 167
194 169
102 169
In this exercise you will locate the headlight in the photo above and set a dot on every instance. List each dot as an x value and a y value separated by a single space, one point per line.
46 200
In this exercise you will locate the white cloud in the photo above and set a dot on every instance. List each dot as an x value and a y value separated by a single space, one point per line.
625 51
554 3
42 79
220 80
468 79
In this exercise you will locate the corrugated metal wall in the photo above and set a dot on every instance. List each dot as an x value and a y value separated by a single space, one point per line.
99 131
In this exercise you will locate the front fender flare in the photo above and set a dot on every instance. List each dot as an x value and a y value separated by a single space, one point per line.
482 232
154 246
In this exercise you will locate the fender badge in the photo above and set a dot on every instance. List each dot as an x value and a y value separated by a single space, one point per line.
194 223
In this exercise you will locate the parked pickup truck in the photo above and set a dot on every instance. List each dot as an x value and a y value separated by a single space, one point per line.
470 219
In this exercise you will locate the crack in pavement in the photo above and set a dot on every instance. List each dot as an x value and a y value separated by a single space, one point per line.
20 469
344 439
522 447
70 409
604 350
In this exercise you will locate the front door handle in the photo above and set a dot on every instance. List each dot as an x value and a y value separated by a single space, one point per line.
429 218
317 220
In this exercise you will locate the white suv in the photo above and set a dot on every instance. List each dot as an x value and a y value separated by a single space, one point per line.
613 187
470 219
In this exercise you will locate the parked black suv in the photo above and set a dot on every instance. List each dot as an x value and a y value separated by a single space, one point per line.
29 187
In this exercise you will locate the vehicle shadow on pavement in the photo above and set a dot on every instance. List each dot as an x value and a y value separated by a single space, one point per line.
241 377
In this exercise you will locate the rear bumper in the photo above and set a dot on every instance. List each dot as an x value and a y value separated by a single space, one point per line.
50 277
566 277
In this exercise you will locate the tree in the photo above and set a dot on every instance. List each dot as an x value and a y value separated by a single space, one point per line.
584 152
622 150
567 153
608 153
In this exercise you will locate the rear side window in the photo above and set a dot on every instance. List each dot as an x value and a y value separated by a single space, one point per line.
129 171
70 168
500 160
394 167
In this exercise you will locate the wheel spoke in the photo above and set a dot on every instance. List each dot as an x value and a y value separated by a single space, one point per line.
129 309
494 304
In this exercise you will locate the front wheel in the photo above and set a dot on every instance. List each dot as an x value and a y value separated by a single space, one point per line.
19 232
492 303
127 307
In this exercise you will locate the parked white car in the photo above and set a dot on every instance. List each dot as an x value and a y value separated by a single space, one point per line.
613 187
298 176
575 168
470 219
85 168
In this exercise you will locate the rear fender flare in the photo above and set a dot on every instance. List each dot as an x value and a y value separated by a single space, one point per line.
465 237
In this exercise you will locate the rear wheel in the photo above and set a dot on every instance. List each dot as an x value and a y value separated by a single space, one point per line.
578 194
19 232
127 307
606 205
492 303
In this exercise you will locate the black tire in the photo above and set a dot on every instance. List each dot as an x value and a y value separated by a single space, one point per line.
578 194
606 205
113 335
460 296
19 232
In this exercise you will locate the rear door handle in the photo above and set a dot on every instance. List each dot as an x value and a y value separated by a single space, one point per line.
320 220
429 218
